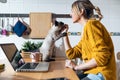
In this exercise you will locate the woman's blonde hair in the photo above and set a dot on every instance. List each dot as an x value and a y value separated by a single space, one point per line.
88 8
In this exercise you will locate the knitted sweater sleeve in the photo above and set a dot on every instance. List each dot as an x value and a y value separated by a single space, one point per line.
100 49
74 52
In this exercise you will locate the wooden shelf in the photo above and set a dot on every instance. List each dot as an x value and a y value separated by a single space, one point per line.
27 15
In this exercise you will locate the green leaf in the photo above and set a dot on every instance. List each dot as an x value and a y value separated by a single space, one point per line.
30 46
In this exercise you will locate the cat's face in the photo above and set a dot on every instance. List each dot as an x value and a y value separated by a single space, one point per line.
57 29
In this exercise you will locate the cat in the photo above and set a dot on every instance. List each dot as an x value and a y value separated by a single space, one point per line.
48 46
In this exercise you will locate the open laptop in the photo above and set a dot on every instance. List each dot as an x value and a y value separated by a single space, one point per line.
17 61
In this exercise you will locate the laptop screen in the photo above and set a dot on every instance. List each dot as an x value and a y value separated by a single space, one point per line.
13 55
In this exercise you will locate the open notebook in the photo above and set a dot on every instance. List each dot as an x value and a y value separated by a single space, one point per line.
17 61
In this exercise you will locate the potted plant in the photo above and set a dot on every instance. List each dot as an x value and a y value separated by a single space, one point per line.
29 47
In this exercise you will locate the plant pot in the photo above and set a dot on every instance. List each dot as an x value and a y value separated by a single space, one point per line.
25 54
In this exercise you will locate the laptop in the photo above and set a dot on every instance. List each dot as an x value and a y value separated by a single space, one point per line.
18 62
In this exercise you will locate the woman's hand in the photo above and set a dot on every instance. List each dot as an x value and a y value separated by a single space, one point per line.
65 28
70 64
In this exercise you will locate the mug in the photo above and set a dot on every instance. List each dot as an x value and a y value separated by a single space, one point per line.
4 32
35 56
68 63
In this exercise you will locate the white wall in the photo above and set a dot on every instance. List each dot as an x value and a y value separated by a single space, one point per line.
110 10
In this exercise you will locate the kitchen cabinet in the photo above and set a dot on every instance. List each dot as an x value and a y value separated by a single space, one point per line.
40 23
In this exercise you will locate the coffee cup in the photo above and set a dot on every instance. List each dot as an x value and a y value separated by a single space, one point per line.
35 56
68 63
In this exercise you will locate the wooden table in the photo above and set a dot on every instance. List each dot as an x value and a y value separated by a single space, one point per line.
57 69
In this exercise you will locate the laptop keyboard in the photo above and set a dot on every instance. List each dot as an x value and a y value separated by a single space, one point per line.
30 66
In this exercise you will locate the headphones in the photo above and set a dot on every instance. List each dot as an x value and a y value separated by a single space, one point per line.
87 11
83 0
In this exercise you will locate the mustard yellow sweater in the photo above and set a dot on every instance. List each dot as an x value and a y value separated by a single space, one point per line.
96 43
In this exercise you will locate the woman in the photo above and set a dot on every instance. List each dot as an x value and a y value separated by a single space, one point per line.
95 47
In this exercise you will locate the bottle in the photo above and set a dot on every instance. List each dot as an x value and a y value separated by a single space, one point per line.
4 31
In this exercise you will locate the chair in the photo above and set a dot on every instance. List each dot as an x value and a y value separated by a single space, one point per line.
118 66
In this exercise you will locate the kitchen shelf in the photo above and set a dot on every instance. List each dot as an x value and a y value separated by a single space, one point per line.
27 15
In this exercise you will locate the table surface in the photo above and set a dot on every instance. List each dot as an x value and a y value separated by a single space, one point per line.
57 69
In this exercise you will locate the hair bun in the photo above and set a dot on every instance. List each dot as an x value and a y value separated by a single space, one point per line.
97 10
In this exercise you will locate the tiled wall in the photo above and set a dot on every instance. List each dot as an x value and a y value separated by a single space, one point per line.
26 6
79 33
110 10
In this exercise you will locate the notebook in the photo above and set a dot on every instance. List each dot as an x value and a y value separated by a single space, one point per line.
17 61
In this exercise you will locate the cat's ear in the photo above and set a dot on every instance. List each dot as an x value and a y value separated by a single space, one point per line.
61 23
56 23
